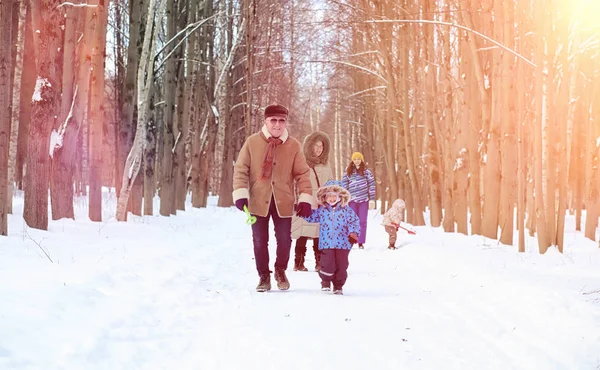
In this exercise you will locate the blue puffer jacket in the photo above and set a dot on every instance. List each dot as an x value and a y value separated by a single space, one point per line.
335 223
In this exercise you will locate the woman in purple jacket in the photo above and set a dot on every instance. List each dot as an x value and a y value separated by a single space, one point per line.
359 181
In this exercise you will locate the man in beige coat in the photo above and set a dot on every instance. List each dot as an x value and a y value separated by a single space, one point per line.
268 164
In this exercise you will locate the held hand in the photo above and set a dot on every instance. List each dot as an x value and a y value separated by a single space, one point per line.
352 238
371 204
303 209
397 226
241 203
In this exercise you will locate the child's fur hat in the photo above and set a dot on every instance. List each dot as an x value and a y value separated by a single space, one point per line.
334 186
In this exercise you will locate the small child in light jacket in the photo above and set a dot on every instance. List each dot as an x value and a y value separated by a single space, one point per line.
339 228
392 219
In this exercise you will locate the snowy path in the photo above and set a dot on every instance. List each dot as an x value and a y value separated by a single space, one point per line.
178 293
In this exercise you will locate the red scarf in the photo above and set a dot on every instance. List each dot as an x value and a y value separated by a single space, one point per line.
267 167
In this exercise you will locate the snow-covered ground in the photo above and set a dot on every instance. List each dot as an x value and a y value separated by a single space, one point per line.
178 293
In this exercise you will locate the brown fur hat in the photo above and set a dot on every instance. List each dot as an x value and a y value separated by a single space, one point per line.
309 142
336 187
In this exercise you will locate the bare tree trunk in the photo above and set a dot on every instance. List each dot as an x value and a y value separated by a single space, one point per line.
167 184
226 185
492 174
150 157
197 162
578 163
250 15
480 122
463 166
27 88
126 127
181 126
96 112
16 102
565 118
6 8
411 165
145 77
46 18
508 140
540 210
61 180
450 151
592 163
521 163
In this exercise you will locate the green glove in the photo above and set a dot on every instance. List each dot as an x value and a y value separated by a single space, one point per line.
251 219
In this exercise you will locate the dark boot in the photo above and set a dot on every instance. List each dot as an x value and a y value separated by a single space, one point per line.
300 252
317 255
281 279
299 263
264 284
391 246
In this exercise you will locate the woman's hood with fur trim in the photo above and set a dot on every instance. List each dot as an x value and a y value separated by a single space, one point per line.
336 187
309 142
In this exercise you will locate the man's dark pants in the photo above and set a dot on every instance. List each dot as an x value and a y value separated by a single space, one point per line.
260 237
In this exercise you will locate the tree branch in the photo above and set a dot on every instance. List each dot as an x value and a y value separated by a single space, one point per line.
80 5
456 26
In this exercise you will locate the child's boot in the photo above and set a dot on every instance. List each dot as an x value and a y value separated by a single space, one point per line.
325 286
391 246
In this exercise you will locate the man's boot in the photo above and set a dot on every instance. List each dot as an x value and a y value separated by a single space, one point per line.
264 283
281 279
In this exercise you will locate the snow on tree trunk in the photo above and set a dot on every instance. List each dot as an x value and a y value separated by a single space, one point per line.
125 130
145 77
61 181
16 103
46 21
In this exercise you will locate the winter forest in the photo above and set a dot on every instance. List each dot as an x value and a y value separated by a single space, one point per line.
445 99
482 115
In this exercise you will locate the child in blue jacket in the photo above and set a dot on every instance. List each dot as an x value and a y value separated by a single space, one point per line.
339 228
